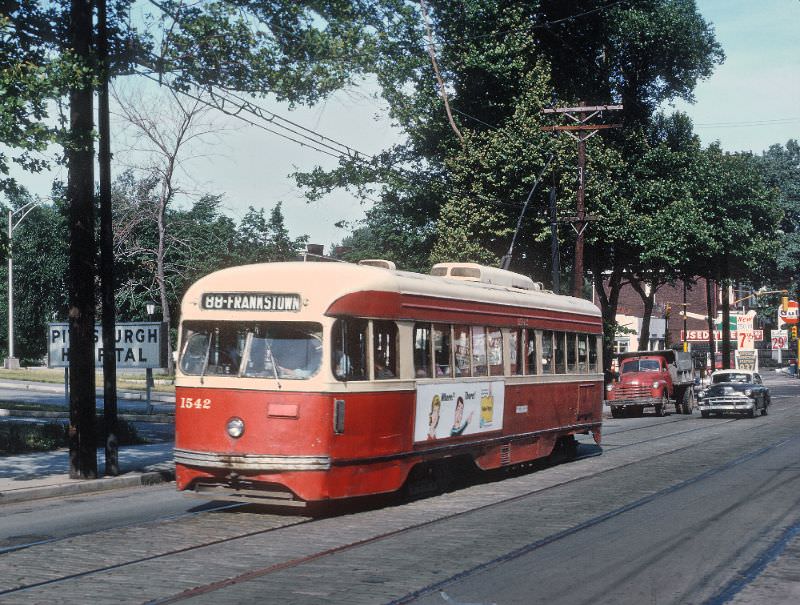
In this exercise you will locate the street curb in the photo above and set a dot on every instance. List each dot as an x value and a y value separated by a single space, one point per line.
147 478
44 387
6 413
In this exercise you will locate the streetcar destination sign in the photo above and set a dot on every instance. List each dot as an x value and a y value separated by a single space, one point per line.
249 301
138 345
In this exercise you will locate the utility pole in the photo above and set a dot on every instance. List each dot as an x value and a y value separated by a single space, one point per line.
106 251
581 131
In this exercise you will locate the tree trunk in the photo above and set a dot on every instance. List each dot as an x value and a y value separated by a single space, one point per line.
608 308
726 325
712 341
166 195
82 253
648 299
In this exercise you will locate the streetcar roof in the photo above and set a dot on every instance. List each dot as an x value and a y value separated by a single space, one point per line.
320 284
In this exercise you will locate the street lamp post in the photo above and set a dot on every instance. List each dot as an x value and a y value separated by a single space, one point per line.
11 362
150 307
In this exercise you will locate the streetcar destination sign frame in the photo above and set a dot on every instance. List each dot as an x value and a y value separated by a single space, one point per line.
139 344
249 301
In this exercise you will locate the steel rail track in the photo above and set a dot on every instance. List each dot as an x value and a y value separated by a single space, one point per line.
298 521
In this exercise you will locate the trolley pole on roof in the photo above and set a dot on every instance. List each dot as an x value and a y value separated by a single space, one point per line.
581 130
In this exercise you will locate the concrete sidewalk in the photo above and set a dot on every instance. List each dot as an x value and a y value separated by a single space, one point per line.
52 387
46 474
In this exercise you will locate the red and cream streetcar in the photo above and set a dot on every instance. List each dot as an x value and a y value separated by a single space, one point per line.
301 382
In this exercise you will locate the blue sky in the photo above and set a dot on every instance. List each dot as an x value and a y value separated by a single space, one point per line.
753 99
749 103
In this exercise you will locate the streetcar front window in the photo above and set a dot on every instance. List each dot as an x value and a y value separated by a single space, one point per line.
253 350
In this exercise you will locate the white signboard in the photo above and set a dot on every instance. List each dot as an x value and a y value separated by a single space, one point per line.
747 360
744 332
138 345
460 408
780 339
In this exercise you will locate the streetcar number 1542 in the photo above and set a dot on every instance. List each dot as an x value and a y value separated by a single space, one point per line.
196 403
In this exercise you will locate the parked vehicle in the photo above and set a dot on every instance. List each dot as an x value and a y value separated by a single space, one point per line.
737 391
652 379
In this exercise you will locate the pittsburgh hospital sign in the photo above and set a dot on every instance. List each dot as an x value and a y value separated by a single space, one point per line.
138 345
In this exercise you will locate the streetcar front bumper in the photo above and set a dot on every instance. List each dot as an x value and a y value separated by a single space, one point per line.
251 462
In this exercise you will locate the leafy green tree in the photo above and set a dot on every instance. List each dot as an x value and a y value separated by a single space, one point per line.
490 56
39 261
780 167
262 240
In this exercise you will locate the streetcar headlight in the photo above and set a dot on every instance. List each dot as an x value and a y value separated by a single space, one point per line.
235 427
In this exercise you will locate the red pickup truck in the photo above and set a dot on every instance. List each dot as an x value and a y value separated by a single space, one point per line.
652 379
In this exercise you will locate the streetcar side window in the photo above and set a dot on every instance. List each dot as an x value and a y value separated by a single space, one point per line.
442 350
495 351
479 365
560 353
572 352
515 344
593 366
384 350
422 351
349 361
461 348
530 352
583 348
548 363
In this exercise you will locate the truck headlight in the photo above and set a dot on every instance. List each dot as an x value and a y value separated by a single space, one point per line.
235 427
655 385
748 392
609 387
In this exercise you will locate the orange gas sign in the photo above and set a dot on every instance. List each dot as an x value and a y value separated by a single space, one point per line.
790 315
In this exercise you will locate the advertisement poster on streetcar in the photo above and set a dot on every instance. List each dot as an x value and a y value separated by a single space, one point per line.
461 408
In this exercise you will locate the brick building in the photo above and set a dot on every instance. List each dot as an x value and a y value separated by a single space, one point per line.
666 321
